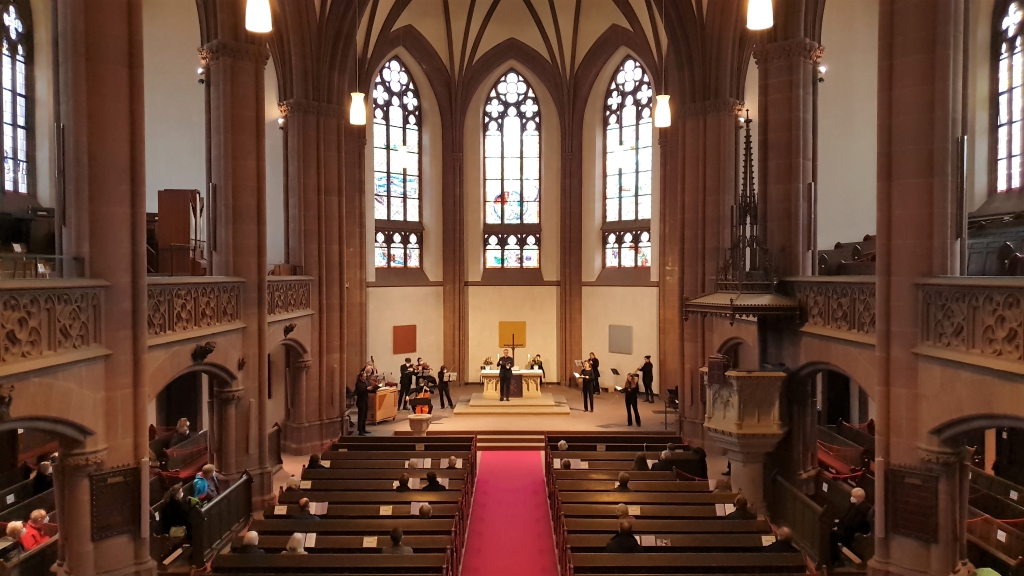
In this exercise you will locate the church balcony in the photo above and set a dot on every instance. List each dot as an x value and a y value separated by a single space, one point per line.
836 306
183 307
973 320
49 322
289 296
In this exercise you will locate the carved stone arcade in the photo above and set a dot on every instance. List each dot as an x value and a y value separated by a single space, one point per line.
38 319
203 302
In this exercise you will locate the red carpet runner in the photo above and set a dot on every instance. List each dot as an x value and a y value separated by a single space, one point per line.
510 523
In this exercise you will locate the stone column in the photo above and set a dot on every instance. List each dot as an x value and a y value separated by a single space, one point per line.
456 309
570 285
743 418
297 434
79 554
226 404
949 464
786 80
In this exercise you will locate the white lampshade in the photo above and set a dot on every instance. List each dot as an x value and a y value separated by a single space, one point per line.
257 16
662 112
357 111
759 15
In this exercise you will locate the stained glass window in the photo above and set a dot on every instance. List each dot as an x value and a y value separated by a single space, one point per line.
1010 108
396 249
512 152
512 250
630 249
396 144
628 132
15 102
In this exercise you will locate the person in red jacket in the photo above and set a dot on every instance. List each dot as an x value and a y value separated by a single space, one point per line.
35 533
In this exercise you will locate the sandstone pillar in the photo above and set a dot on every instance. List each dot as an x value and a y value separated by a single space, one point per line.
79 552
743 418
298 434
226 401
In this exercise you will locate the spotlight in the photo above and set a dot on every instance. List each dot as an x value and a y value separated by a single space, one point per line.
202 75
280 122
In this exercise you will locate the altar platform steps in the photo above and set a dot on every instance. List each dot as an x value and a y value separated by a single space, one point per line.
545 405
510 441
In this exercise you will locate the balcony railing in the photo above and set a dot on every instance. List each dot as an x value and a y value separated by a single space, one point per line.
975 320
25 266
843 306
49 322
183 307
289 295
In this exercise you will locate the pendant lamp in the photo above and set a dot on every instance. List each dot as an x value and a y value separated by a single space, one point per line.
257 16
357 110
759 15
662 112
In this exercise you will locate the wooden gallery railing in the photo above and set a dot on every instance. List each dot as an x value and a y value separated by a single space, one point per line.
453 558
808 521
213 525
557 518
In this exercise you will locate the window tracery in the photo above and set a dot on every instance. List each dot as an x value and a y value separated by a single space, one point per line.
15 104
1009 103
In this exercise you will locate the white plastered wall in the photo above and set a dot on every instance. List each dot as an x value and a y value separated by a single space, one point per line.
431 186
848 122
550 170
387 307
535 305
623 306
593 176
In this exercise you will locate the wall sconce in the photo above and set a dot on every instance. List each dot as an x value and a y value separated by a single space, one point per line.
202 75
821 72
280 123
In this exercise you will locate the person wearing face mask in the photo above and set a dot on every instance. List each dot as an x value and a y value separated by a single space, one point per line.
34 534
174 510
181 433
206 486
856 520
43 480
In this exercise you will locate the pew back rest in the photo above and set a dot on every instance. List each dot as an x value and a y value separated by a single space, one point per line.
15 494
219 519
186 454
807 519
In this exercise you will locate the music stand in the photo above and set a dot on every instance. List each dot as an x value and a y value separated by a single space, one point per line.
451 376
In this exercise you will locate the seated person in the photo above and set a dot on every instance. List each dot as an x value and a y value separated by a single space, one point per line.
250 544
425 510
640 463
413 464
622 512
742 511
563 445
314 463
623 485
403 483
432 484
566 464
422 404
453 463
783 543
174 510
206 486
43 480
296 544
34 532
292 485
663 464
856 520
304 512
702 459
624 542
396 544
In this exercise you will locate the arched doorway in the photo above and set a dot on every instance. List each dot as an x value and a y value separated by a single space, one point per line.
288 365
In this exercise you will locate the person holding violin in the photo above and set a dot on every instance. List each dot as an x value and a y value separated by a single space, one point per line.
444 387
363 390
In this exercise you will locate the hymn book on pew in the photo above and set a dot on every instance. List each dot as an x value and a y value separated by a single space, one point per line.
385 510
414 508
369 541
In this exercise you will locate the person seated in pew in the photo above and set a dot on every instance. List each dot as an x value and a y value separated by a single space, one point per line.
563 445
292 485
742 511
304 512
413 464
624 542
453 463
250 544
396 544
426 511
296 544
403 483
43 480
702 457
664 463
314 463
723 486
34 532
566 464
206 486
783 543
622 512
174 510
432 484
623 485
640 463
856 520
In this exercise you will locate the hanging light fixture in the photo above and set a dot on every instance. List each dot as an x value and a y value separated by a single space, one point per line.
257 16
662 111
759 15
357 109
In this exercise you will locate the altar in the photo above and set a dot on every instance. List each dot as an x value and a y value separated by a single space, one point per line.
525 384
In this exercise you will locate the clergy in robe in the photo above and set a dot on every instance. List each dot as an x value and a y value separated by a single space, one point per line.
505 364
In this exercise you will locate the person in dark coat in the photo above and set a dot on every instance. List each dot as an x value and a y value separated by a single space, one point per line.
250 544
624 542
444 387
403 483
783 543
664 463
314 462
181 433
505 364
623 485
432 484
588 387
631 393
406 373
304 512
595 365
640 463
646 371
742 511
363 390
43 480
396 544
856 520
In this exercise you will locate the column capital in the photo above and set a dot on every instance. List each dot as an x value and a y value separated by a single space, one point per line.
83 458
304 364
297 106
799 49
239 51
708 107
229 394
943 456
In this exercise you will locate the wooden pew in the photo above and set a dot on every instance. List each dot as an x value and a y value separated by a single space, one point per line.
611 475
377 473
368 511
691 563
644 497
407 446
676 542
997 486
620 446
369 455
648 526
995 506
993 544
646 511
604 456
367 485
381 526
634 485
366 564
274 544
390 497
15 495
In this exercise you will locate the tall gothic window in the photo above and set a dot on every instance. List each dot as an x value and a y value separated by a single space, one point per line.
1010 106
511 126
16 104
396 168
628 163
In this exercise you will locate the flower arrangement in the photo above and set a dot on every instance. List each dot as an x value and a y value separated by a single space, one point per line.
488 361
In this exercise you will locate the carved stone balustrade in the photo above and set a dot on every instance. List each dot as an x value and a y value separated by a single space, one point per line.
836 306
742 416
45 323
289 296
973 320
183 307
